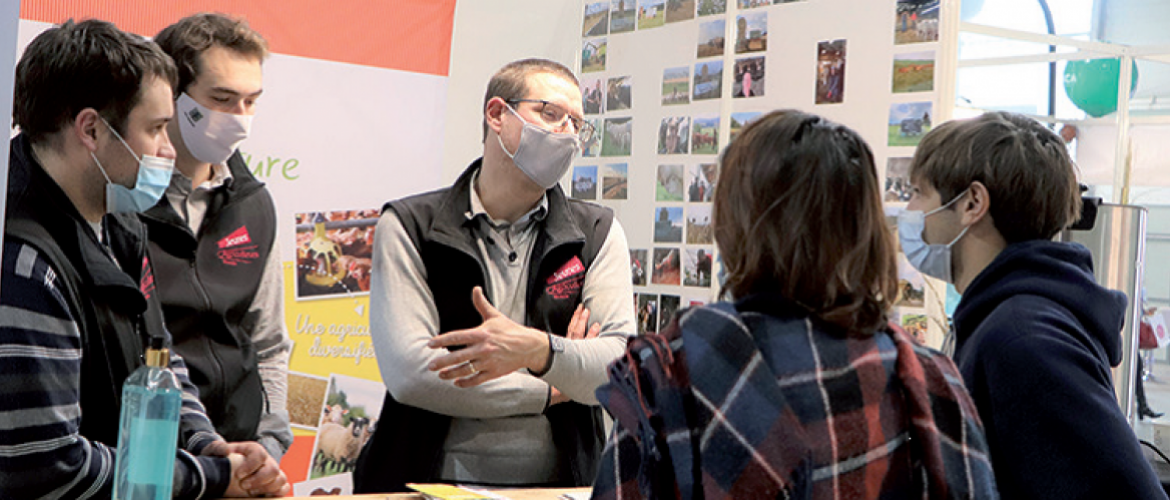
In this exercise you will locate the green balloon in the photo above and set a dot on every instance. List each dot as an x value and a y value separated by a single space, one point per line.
1092 84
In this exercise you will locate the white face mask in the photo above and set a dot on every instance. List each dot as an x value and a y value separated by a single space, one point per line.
931 260
154 175
543 155
211 136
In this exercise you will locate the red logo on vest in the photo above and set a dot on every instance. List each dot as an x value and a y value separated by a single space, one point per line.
236 248
146 284
567 281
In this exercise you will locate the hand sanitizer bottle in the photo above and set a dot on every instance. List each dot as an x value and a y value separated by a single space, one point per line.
149 431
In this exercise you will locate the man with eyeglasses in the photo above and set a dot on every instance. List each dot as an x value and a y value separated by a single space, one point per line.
480 298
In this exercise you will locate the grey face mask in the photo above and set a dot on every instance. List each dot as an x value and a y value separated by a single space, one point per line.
542 155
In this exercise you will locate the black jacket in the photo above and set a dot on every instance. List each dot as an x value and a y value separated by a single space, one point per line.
408 443
207 283
1035 339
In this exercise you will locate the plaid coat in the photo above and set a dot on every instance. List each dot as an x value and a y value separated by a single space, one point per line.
766 402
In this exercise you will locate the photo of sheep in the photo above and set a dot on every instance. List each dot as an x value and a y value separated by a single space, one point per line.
909 121
676 85
348 418
669 185
618 136
333 252
916 21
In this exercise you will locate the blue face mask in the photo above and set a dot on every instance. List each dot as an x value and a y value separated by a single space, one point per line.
154 175
931 260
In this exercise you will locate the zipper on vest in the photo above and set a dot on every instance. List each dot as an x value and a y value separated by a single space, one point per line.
220 383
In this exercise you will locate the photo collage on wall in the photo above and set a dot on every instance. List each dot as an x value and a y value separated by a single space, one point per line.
912 86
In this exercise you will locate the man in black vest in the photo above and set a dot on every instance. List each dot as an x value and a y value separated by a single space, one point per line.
78 299
213 237
494 268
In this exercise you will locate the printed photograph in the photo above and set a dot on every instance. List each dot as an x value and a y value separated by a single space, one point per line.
621 16
911 284
831 72
668 225
647 307
751 32
909 121
650 13
711 36
638 266
593 55
701 180
584 183
741 120
596 19
898 179
617 95
913 72
667 307
750 4
333 252
592 147
708 80
916 21
697 267
712 7
749 77
676 85
614 181
618 136
699 231
679 10
669 183
593 95
674 135
788 1
348 419
705 136
915 326
666 267
305 394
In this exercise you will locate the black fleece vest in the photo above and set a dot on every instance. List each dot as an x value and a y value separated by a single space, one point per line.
408 443
207 283
113 304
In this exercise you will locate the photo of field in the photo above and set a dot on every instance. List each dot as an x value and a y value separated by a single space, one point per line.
913 72
596 19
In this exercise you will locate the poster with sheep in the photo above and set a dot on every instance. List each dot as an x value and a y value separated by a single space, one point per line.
348 419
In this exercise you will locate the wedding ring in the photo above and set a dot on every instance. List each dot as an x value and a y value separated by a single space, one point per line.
473 370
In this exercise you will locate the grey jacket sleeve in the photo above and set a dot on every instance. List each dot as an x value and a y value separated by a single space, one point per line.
270 337
608 293
403 317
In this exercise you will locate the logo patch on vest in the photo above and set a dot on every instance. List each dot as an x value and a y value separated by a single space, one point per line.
146 284
237 248
567 281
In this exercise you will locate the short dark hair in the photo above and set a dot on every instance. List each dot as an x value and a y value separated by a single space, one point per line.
511 81
1029 176
798 212
74 66
189 38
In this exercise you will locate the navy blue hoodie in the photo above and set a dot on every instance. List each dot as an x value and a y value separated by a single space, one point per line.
1035 339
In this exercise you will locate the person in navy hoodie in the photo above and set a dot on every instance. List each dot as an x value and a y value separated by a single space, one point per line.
1035 335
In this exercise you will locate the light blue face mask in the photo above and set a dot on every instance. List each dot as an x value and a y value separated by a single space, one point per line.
154 175
931 260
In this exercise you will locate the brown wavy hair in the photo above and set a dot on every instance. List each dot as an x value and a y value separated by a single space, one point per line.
798 212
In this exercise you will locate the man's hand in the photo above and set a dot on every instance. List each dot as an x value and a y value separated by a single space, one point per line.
577 326
495 348
254 472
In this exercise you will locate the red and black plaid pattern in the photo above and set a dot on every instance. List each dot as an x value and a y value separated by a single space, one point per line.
764 402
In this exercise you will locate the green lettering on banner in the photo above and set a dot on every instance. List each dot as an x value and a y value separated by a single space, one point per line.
262 168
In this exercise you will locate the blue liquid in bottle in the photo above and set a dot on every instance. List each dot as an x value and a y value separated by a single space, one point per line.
149 431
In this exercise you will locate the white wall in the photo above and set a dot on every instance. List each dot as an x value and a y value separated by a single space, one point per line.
9 18
488 35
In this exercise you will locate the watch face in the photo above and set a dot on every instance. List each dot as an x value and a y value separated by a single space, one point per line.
556 343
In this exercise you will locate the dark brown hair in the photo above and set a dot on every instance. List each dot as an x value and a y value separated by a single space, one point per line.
1029 176
511 81
187 39
74 66
798 212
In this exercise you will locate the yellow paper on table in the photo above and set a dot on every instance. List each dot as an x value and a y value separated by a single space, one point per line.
447 492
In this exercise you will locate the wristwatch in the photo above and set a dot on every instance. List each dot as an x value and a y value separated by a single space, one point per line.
556 344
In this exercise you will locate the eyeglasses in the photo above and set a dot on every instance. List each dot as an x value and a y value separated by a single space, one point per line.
556 116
